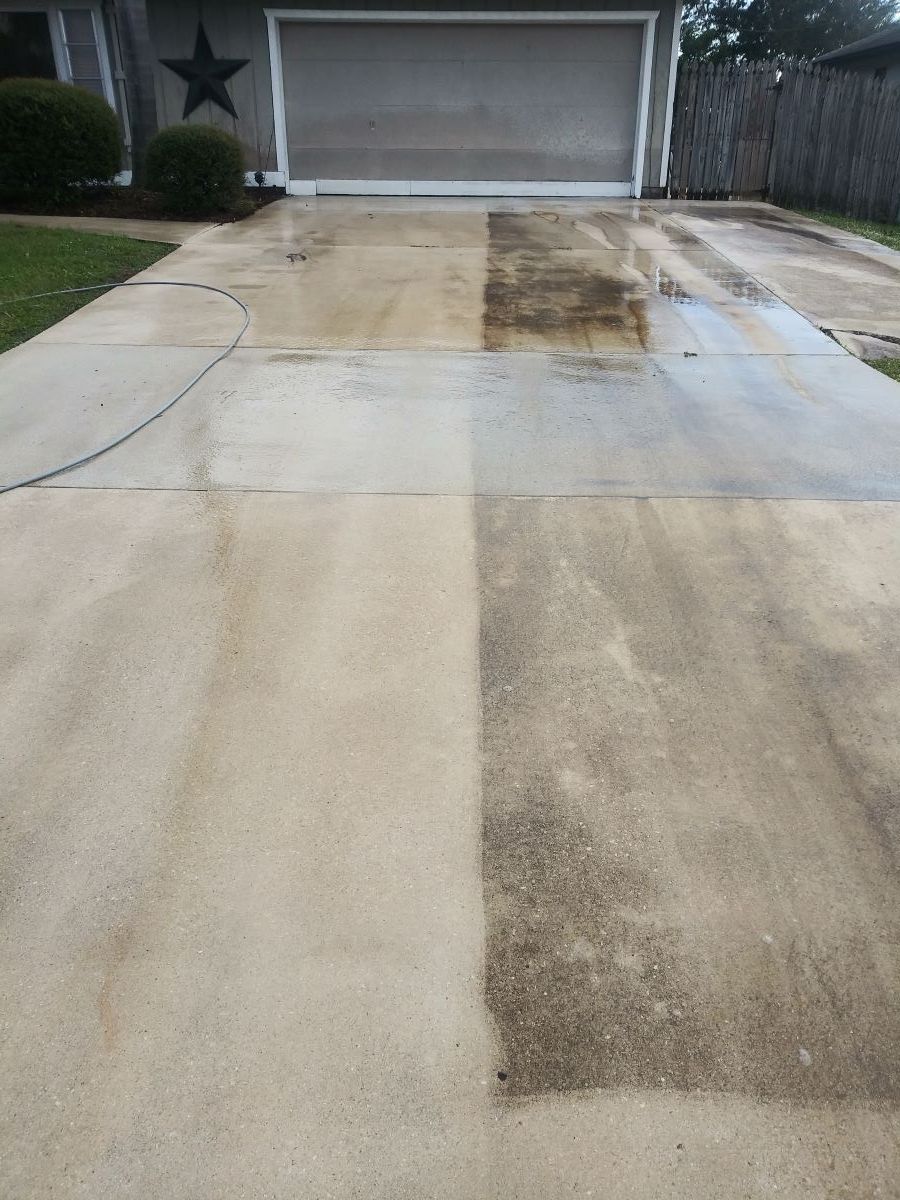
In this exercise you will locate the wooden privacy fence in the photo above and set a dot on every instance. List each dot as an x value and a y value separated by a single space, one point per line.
797 133
837 144
722 131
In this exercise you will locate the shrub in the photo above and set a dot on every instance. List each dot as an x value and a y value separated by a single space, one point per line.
198 168
53 137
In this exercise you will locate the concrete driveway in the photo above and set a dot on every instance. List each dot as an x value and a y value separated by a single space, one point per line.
453 753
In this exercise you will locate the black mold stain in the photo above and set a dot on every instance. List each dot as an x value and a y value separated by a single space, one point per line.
535 231
298 357
583 989
584 995
784 226
569 304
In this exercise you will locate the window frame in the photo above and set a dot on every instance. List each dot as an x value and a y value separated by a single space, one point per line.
54 10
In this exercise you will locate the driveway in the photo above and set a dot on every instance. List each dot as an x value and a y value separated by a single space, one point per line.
453 753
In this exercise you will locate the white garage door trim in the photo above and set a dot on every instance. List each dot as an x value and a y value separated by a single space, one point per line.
457 187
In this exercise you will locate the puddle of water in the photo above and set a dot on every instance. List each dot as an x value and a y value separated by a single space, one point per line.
744 289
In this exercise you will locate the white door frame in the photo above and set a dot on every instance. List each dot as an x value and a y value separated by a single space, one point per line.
417 187
670 95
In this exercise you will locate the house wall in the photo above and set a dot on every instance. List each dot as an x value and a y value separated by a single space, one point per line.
889 62
237 29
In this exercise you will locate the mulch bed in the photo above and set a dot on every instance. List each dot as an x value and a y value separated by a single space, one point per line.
138 204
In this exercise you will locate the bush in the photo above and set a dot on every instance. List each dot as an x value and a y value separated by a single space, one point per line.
198 168
53 137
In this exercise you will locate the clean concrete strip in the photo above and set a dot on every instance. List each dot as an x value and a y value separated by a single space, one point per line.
520 424
339 297
243 943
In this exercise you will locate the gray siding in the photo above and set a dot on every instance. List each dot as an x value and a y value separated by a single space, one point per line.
888 62
237 29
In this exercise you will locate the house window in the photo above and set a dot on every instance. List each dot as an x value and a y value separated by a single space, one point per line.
26 48
55 39
80 40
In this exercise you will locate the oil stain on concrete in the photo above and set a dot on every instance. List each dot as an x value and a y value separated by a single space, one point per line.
689 854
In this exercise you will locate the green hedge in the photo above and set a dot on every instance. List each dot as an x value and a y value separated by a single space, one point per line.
198 168
53 137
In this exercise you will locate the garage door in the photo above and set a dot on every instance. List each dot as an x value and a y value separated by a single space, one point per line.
430 108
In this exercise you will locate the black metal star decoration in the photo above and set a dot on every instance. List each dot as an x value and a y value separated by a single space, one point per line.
205 75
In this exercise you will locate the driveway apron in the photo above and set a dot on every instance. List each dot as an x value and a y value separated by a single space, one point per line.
453 752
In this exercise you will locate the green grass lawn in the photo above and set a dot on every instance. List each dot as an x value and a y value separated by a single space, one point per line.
876 231
888 366
33 259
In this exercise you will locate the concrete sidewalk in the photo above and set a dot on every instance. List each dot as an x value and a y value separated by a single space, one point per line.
176 232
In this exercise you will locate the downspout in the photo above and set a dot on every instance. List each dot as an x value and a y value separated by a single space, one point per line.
134 70
112 18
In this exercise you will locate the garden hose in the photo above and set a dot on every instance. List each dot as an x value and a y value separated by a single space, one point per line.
102 287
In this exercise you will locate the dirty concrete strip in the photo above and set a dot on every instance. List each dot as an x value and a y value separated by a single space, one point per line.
683 703
861 345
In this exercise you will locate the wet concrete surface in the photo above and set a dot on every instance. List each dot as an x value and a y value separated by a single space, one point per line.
538 839
589 281
336 297
627 301
500 424
839 281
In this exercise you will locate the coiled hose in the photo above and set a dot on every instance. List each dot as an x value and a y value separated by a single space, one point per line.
102 287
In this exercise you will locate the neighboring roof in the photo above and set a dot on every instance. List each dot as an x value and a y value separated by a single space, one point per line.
887 39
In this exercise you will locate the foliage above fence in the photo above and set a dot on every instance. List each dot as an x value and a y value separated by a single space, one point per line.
801 134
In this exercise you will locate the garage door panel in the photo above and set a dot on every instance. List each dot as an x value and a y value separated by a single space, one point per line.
417 83
511 127
397 41
455 83
326 163
461 102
